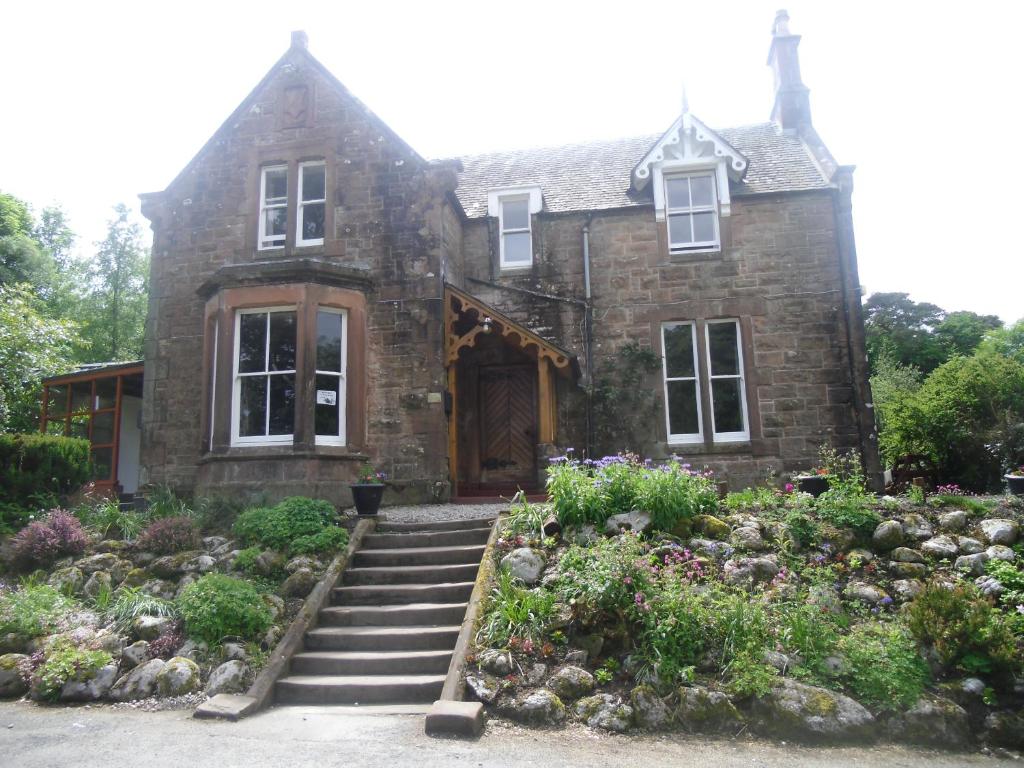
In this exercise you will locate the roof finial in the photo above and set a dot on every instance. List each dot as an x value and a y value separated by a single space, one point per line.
781 26
300 39
686 101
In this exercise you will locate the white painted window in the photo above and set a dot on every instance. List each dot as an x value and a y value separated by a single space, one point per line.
263 404
273 206
727 385
331 363
691 208
516 236
682 382
312 204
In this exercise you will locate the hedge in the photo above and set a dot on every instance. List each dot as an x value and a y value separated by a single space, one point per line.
35 470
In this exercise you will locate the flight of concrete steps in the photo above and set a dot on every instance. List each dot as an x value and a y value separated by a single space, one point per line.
389 633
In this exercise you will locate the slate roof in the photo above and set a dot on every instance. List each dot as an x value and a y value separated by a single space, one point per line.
596 175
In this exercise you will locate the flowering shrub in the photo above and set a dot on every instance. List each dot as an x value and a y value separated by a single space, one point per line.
61 663
42 542
367 474
169 535
885 670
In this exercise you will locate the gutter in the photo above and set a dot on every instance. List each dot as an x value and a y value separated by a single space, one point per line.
588 336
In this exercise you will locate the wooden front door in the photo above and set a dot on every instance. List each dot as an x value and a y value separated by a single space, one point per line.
508 426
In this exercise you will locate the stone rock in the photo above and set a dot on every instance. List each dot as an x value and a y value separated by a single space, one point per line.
213 543
303 561
748 571
196 651
989 586
230 677
716 550
606 712
484 687
711 526
972 564
92 689
115 546
159 588
908 570
583 535
635 521
592 644
703 710
907 589
178 676
271 637
933 721
67 580
496 662
135 654
540 707
234 652
537 674
186 581
140 683
97 583
1004 729
906 555
170 566
199 564
867 593
571 683
780 661
223 549
102 562
805 710
953 521
1000 531
551 526
649 709
12 684
136 577
825 597
11 642
111 642
577 657
864 555
973 686
917 527
524 564
888 535
942 547
150 627
561 615
970 546
299 584
835 666
1001 552
748 538
275 604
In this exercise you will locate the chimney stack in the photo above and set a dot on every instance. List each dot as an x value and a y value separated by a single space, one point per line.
792 108
300 39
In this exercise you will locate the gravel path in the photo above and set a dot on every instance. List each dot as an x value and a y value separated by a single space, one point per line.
430 513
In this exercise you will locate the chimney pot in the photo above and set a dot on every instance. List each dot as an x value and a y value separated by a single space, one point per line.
781 26
300 39
791 110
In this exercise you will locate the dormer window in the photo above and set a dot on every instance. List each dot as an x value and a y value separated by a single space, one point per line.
514 208
273 206
691 209
312 204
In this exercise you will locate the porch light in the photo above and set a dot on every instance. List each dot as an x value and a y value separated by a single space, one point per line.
487 324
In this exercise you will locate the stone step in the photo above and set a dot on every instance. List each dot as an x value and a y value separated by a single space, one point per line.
358 689
408 638
371 663
396 594
427 539
411 574
444 525
373 558
421 614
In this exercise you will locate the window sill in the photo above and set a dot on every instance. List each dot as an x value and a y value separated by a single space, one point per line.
284 452
703 254
516 270
709 449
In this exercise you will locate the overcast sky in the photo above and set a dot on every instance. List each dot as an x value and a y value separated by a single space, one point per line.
104 100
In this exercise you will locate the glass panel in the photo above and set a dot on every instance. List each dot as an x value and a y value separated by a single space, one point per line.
679 229
81 396
328 388
722 349
678 192
252 412
106 393
276 184
57 402
313 182
682 408
277 220
55 427
103 428
679 351
515 214
313 221
282 341
282 404
517 248
80 426
704 227
102 463
328 341
702 190
252 342
728 405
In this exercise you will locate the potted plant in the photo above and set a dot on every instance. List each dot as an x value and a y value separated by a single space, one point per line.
1015 480
367 490
814 482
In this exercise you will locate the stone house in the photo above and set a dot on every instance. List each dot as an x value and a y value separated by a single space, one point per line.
323 296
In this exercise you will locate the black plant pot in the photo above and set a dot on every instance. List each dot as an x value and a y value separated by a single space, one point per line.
812 484
1016 484
367 497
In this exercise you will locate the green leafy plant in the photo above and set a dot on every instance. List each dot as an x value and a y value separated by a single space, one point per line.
245 560
217 606
514 612
279 526
164 502
33 610
327 541
109 520
916 494
750 676
65 662
129 603
1012 579
35 469
801 527
885 669
526 519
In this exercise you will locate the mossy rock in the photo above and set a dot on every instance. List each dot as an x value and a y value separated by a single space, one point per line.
712 527
136 577
178 677
12 684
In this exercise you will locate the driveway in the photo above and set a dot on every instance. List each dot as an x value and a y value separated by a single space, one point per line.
40 737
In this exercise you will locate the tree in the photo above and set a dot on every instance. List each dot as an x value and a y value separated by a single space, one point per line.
54 235
960 333
21 258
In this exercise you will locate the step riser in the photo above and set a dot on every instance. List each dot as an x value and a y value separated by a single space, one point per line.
369 558
401 595
399 666
462 572
374 617
425 642
426 539
288 693
448 525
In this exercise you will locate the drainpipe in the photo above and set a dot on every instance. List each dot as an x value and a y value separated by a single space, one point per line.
588 336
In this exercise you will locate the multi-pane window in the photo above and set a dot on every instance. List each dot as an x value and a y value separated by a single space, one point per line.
273 206
516 239
312 204
86 409
718 369
330 376
264 391
691 211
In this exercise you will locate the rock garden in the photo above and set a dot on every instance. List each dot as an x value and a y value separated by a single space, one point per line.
639 599
161 607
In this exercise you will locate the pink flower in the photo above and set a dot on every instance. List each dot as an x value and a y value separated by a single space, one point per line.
789 487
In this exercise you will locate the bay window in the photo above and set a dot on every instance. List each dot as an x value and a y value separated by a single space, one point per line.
264 387
331 333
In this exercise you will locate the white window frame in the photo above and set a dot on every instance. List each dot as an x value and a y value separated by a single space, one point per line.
341 437
236 396
727 437
502 231
698 436
279 240
301 204
704 245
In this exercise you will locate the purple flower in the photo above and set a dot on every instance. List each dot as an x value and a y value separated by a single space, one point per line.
886 601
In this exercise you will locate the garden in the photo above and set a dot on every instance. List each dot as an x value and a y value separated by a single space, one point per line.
638 598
